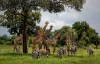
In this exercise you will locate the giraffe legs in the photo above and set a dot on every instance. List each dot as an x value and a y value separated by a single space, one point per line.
44 45
47 48
33 44
54 48
15 45
40 45
68 52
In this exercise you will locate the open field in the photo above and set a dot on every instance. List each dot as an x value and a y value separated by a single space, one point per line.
8 57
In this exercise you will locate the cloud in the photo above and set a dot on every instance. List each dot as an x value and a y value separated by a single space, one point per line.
1 12
4 31
59 19
90 13
52 19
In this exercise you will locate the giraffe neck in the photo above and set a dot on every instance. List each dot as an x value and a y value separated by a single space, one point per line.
47 33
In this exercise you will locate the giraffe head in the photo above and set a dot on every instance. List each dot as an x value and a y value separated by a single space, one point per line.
51 26
47 23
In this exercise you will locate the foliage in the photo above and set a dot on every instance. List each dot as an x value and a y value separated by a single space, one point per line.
15 24
85 33
81 34
47 5
62 37
5 40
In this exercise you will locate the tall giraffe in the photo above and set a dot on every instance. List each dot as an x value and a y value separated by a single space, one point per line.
39 38
52 42
68 42
46 36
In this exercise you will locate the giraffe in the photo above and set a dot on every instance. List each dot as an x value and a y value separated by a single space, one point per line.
17 40
39 38
45 37
68 42
52 42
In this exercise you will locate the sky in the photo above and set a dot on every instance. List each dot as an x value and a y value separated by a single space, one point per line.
90 13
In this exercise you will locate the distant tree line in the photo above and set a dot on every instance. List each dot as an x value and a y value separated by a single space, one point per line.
5 40
81 34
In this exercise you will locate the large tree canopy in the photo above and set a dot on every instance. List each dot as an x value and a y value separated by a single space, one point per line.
47 5
86 34
14 22
25 7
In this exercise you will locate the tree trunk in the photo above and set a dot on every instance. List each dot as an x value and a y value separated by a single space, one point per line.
25 17
25 50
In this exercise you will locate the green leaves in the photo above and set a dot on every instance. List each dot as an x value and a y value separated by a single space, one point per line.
85 32
15 10
47 5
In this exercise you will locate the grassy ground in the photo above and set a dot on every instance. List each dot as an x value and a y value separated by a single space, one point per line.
8 57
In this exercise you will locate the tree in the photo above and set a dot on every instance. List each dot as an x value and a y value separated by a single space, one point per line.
24 7
80 27
4 39
15 26
95 39
63 31
86 34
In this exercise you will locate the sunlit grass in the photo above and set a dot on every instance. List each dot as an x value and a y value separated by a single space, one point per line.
8 57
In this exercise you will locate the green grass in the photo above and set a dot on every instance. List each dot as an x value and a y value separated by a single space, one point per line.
8 57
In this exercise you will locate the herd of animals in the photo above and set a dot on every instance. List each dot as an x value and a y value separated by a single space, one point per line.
60 52
36 54
42 39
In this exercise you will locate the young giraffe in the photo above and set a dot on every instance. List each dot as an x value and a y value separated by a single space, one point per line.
39 38
68 44
17 41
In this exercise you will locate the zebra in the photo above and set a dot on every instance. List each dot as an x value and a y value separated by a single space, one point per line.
63 50
59 53
73 50
35 54
18 50
44 53
90 51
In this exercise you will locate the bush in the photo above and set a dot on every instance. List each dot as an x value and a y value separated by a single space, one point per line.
3 42
7 43
82 43
92 46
